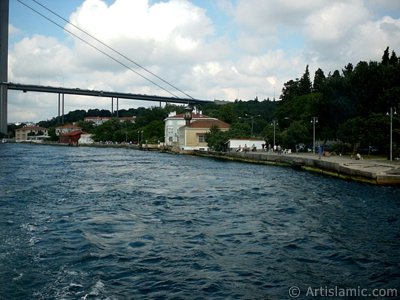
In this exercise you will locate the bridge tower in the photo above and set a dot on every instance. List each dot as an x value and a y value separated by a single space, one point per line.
4 11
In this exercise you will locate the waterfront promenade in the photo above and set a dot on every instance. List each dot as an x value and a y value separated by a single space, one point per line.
370 170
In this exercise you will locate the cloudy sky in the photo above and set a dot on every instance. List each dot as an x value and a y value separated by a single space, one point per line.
210 49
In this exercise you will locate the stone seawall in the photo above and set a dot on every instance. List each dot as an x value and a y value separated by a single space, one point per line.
368 171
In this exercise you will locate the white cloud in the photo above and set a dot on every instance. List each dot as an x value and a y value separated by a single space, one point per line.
336 23
39 58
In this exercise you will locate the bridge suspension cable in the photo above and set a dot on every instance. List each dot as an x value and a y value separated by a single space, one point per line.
103 52
112 49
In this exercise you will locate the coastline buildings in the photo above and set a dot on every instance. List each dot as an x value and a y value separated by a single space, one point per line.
31 133
97 121
190 136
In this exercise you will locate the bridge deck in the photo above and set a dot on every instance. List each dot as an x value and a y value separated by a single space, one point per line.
98 93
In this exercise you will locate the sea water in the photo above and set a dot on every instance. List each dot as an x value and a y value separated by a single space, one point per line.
106 223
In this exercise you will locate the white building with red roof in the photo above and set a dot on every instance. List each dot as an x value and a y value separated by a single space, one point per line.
192 136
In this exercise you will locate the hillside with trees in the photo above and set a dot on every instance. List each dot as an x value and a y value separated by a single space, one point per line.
351 106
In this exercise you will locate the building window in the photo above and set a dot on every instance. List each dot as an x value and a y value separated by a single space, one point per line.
202 138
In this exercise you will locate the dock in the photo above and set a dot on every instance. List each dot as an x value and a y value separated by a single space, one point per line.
370 170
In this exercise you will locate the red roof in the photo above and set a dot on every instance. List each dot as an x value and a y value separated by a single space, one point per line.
71 126
72 133
209 124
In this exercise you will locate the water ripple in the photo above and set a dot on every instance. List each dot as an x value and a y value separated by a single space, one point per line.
87 223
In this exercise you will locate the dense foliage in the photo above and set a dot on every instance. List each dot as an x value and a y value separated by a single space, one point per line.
351 107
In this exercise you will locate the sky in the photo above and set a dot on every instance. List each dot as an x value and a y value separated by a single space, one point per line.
209 49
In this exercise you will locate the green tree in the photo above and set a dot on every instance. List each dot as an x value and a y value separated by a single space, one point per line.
385 57
353 132
216 138
86 126
295 134
348 70
52 134
393 59
319 80
154 131
290 90
305 83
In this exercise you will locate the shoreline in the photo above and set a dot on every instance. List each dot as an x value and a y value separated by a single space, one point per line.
366 171
375 172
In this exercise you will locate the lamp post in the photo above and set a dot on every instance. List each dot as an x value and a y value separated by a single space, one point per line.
140 137
274 122
252 122
314 120
392 110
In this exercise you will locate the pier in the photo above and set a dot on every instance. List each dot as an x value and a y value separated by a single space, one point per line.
372 171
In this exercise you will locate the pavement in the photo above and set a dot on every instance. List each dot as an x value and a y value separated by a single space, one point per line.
371 170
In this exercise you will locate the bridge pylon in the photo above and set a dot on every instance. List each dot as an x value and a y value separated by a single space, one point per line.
4 11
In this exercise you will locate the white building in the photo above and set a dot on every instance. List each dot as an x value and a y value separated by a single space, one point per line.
86 138
175 121
241 144
97 121
31 133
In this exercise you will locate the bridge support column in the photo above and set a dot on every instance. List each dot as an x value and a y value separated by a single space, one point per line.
117 107
62 109
3 109
59 104
112 106
4 9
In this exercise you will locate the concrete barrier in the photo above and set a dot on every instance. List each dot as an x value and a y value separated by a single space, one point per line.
366 171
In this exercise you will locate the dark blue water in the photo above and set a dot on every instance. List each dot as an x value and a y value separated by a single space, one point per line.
93 223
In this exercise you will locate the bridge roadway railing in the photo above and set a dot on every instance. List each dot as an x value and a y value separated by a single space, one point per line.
98 93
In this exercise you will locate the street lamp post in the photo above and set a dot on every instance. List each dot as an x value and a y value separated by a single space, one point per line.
252 122
314 120
274 122
392 111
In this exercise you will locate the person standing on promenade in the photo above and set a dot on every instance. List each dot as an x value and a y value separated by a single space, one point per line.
320 151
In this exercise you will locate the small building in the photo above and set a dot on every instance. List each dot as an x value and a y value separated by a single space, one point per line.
85 139
193 136
31 133
128 119
67 128
245 145
97 121
175 121
71 138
